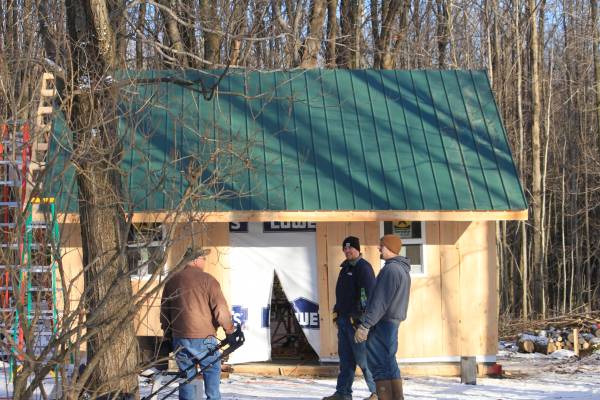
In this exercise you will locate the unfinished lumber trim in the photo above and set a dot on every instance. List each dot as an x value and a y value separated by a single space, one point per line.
41 130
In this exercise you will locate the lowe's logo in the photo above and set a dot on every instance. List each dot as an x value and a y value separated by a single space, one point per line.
307 313
240 315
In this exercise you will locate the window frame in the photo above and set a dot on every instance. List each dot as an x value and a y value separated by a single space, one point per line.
135 273
412 241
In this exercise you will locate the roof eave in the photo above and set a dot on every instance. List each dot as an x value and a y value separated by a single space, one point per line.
324 216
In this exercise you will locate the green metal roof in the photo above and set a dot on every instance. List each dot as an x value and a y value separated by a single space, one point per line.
315 140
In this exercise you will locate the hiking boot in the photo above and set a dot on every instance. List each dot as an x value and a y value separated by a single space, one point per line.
373 396
337 396
397 389
384 390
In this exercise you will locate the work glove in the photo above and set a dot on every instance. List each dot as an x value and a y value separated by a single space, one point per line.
334 317
361 334
235 338
167 342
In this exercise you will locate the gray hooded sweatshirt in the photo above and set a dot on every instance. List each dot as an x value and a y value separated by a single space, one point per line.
389 299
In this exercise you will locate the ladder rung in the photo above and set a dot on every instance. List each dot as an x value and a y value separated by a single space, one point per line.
39 268
32 268
7 224
31 289
16 140
39 289
40 317
10 183
15 246
9 203
48 92
45 110
35 165
11 162
38 225
41 146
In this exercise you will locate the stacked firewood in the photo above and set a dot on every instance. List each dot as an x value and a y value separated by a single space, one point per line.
547 341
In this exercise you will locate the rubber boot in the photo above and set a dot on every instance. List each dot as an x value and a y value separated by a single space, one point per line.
397 389
384 390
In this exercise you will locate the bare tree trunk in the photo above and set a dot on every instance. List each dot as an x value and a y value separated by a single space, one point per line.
174 34
563 242
312 44
382 24
212 40
349 44
239 23
596 53
588 246
139 44
536 173
443 18
524 265
112 347
332 27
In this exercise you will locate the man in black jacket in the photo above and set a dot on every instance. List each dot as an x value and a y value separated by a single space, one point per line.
386 309
353 288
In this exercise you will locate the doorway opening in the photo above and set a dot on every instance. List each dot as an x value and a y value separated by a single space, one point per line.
288 341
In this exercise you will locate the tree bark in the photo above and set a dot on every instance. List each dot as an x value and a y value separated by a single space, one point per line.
332 27
596 53
349 48
212 40
312 43
442 12
112 348
175 38
536 173
139 44
382 23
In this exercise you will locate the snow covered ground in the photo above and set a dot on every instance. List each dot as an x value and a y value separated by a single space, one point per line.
527 377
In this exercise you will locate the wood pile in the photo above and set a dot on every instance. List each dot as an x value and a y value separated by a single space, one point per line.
546 341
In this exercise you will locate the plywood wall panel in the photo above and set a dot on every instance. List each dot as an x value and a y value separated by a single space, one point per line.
328 331
450 287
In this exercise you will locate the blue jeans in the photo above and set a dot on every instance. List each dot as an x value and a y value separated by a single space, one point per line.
351 354
190 351
382 346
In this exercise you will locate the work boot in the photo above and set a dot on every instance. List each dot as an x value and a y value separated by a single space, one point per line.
397 389
384 390
337 396
373 396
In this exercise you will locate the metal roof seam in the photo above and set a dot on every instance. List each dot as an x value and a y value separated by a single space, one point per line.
392 137
439 130
333 172
475 142
412 153
428 152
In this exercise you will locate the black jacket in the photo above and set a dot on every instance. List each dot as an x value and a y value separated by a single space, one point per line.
351 280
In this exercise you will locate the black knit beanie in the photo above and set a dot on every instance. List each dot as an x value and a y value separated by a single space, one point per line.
351 241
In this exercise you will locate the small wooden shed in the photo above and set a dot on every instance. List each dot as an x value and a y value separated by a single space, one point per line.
422 154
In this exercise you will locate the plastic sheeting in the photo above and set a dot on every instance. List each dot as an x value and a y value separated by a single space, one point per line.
253 258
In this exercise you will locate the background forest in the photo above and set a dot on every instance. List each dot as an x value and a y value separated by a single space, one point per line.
542 58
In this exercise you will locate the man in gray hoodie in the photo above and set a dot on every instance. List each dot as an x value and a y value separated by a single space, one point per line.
386 308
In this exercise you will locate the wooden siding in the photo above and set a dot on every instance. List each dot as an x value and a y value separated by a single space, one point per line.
453 306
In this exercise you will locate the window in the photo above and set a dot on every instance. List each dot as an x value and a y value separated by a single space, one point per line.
413 242
145 249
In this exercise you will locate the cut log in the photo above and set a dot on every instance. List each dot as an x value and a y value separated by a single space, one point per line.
526 346
544 348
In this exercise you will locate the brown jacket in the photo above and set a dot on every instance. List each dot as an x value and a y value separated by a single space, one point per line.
193 305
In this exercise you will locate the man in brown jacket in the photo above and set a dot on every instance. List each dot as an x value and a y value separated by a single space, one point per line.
192 308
